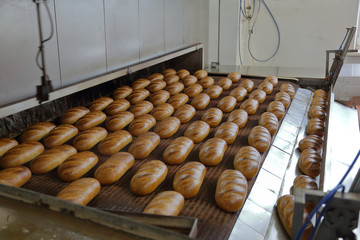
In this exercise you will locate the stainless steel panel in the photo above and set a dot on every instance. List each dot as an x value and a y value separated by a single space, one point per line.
268 180
122 33
192 26
283 144
276 230
263 197
174 24
152 28
276 161
81 38
243 231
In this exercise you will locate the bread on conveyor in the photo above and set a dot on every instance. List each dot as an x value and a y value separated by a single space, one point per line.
283 97
247 84
269 121
197 131
61 134
140 83
182 73
227 131
114 142
306 182
100 103
310 162
200 74
162 111
212 151
77 166
311 141
6 144
259 138
36 132
141 108
117 106
239 93
318 101
149 176
143 145
247 161
317 112
258 95
169 71
212 116
15 176
207 82
156 76
89 138
189 178
224 83
231 190
114 168
193 90
200 101
250 106
272 79
89 120
178 100
321 93
142 124
178 150
227 104
289 89
73 114
122 92
185 113
159 97
81 191
175 88
119 121
156 85
50 159
239 117
167 203
277 108
189 80
171 79
214 91
315 126
167 127
234 76
267 87
138 95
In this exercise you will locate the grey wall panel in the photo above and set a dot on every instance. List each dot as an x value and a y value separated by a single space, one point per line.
81 39
192 22
174 24
122 33
152 28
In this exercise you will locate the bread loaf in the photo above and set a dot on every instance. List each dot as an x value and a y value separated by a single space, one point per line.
234 76
77 166
100 103
114 142
238 93
214 91
167 127
175 88
117 106
231 190
81 191
247 161
159 97
50 159
185 113
193 90
149 176
277 108
289 89
269 121
227 104
224 83
138 96
178 150
189 80
91 119
212 116
284 98
122 92
182 73
140 83
156 85
247 84
171 79
315 126
321 93
189 178
168 203
144 145
197 131
212 151
142 124
259 138
239 117
258 95
318 101
200 101
207 82
15 176
267 87
60 135
162 111
156 76
168 72
178 100
311 141
73 114
141 108
310 162
89 138
6 144
200 74
317 112
119 121
114 168
227 131
36 132
250 106
305 182
272 79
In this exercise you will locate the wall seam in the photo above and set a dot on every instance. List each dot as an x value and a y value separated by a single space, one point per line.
106 49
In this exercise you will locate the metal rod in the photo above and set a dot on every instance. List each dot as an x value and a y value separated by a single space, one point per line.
41 47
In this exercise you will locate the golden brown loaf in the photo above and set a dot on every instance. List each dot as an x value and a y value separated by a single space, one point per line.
212 151
259 138
50 159
197 131
267 87
168 72
189 178
317 112
310 162
114 168
318 101
193 90
142 124
138 95
73 114
269 121
149 176
144 145
122 92
182 73
140 83
175 88
272 79
289 89
60 135
321 93
81 191
189 80
171 79
227 131
6 144
91 119
114 142
238 93
212 116
167 203
284 98
117 106
77 166
141 108
315 126
258 95
162 111
239 117
277 108
156 76
247 161
89 138
227 104
167 127
224 83
159 97
100 103
119 121
305 182
247 84
15 176
214 91
234 76
156 85
178 100
200 74
231 190
207 82
178 150
311 141
185 113
250 106
200 101
36 132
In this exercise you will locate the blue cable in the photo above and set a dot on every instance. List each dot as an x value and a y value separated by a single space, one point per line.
341 45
